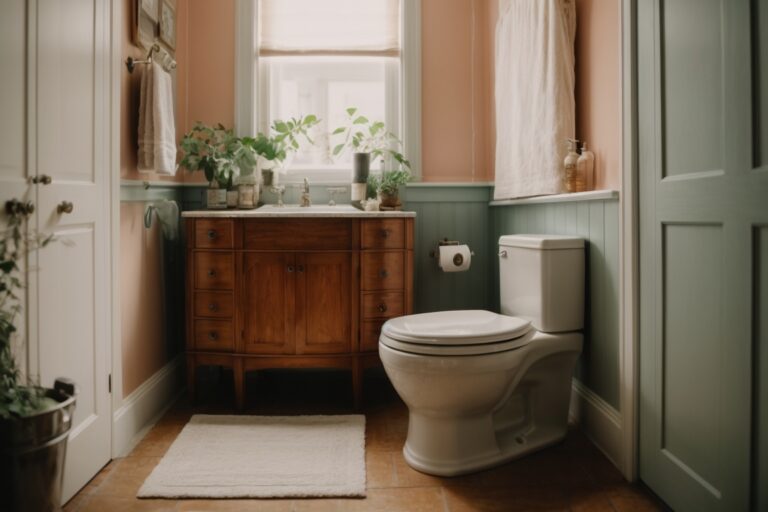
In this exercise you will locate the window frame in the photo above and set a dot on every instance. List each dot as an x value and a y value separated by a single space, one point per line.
247 89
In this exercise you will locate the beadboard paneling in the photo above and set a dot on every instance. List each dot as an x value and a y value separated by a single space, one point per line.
457 213
598 223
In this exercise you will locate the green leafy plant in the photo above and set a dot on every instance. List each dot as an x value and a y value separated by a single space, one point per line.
287 136
361 135
389 182
18 396
213 150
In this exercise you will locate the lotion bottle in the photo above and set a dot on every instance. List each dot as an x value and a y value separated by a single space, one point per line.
570 163
585 168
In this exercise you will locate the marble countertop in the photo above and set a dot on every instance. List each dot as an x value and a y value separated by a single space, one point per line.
270 211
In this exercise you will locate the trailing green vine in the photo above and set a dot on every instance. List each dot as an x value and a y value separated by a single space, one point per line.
18 396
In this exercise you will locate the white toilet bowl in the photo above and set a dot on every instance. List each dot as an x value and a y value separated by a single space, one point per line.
475 403
483 388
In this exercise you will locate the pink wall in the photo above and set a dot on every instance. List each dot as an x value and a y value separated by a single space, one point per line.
141 303
457 56
598 86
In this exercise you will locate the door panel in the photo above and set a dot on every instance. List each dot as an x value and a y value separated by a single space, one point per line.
690 349
268 302
323 299
69 83
693 115
701 199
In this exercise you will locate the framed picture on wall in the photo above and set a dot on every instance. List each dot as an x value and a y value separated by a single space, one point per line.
145 22
150 8
167 24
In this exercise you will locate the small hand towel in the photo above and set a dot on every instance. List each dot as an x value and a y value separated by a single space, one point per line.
157 129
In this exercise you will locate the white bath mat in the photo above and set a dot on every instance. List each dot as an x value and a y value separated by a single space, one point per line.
263 457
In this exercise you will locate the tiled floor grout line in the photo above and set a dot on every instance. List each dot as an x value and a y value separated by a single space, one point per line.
446 507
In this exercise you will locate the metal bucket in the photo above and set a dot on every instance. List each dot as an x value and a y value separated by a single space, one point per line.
32 454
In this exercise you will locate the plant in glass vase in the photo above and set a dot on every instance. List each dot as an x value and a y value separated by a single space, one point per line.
370 140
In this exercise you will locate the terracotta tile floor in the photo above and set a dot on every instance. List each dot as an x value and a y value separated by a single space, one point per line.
572 476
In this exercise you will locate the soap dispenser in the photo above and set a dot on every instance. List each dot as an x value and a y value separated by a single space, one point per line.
585 168
570 163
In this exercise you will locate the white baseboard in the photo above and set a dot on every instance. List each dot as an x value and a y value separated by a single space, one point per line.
598 420
145 406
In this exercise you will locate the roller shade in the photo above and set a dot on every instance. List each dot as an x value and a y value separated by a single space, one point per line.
329 27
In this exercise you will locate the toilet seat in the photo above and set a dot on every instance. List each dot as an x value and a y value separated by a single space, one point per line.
468 332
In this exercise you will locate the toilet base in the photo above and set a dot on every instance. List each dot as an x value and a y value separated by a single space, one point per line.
509 446
531 415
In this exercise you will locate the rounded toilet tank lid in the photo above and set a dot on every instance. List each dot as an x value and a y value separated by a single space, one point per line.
544 242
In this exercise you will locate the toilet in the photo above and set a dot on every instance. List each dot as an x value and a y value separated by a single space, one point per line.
483 388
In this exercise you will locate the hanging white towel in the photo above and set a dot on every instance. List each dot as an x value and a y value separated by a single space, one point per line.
157 129
167 215
535 104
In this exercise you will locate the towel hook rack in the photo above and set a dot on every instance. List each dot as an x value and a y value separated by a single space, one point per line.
130 62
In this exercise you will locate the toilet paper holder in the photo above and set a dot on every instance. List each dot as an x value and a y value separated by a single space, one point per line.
435 253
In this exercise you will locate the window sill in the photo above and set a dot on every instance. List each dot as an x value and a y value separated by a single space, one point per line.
592 195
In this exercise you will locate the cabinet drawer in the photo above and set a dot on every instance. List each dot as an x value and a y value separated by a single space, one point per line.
383 234
214 304
369 335
214 335
382 270
214 234
214 270
383 304
298 234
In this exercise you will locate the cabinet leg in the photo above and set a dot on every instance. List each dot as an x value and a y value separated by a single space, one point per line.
239 378
357 384
191 370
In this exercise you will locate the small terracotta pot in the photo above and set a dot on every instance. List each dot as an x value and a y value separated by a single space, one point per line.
389 200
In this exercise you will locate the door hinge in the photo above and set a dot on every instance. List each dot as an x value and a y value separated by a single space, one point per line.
109 383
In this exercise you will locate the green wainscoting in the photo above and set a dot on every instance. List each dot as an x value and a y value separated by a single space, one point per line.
457 213
598 223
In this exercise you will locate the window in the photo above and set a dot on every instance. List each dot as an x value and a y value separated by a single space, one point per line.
321 57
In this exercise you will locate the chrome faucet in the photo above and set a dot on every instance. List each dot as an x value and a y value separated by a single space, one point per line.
305 199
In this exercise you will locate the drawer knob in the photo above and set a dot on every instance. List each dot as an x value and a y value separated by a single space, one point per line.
383 273
300 269
213 307
382 308
213 336
290 268
211 273
385 233
211 234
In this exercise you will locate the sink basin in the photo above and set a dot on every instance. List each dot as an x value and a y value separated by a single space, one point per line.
321 208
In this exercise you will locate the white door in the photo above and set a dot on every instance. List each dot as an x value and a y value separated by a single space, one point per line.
69 124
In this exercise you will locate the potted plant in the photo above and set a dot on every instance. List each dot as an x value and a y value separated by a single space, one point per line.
215 151
34 421
370 140
387 185
268 153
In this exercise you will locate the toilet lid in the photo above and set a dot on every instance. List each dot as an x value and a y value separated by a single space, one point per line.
452 328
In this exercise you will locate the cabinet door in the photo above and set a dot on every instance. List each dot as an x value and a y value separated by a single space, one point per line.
323 303
267 303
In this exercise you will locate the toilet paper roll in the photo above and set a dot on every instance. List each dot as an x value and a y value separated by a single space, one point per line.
455 258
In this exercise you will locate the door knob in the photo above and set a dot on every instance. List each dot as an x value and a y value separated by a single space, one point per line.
15 207
42 178
65 207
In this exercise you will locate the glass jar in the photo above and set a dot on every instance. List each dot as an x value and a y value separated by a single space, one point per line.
248 193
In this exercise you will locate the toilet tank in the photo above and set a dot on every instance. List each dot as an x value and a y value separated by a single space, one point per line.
541 279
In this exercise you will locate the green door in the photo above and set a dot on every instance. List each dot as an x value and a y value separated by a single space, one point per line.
703 163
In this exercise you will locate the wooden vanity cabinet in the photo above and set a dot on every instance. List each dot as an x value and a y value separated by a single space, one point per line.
294 293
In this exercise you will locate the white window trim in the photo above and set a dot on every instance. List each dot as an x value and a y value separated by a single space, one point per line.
246 77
